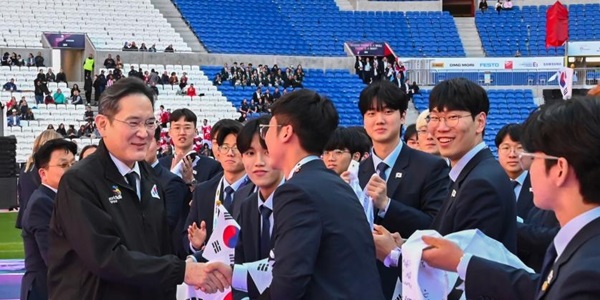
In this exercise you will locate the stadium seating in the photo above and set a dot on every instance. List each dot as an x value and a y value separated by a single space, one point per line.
109 23
315 28
525 29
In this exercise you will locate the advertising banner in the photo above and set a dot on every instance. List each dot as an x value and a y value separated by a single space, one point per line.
66 40
370 48
497 63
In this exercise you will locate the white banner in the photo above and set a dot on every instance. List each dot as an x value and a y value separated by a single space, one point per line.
589 48
497 63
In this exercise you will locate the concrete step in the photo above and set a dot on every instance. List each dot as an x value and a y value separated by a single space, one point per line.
171 13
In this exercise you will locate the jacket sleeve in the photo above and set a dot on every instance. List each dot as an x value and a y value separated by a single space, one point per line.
297 236
486 279
191 218
39 224
80 217
406 219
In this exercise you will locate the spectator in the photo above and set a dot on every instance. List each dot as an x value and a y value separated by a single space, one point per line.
89 114
132 72
145 77
50 127
410 136
165 78
183 81
39 92
97 88
30 60
61 77
88 66
20 61
109 81
49 99
499 6
109 62
6 59
118 72
507 5
23 107
39 60
143 47
244 108
82 132
86 151
59 97
29 115
41 76
13 59
10 86
206 151
191 91
173 79
217 80
169 49
71 132
75 88
518 53
61 129
133 47
276 94
14 119
154 89
118 60
76 98
50 76
483 6
152 48
154 77
163 116
126 46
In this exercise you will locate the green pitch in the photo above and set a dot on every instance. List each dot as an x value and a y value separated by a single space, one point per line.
11 243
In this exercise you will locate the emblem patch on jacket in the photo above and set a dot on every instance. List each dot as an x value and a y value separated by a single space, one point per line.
116 195
154 192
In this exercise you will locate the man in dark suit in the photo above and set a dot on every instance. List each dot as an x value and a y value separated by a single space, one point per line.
109 232
199 222
313 258
536 228
178 195
52 160
186 163
564 163
410 185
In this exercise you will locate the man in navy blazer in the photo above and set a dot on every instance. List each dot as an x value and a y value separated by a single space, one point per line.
408 194
52 160
564 163
322 244
186 163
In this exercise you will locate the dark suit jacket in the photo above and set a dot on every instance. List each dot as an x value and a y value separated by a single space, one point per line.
481 198
575 274
416 197
178 197
205 169
323 247
36 222
203 209
28 182
535 236
525 200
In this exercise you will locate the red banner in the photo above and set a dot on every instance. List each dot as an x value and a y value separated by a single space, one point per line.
557 25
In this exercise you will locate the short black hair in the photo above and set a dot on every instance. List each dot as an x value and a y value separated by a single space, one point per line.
221 123
157 133
186 114
349 138
313 117
411 131
569 129
382 93
86 148
459 94
512 130
110 98
227 129
42 157
245 136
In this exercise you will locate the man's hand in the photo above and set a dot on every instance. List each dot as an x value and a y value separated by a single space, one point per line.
176 159
376 188
220 268
197 235
187 170
197 275
385 241
442 253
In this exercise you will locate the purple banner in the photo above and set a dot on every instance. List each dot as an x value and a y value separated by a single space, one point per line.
369 48
66 40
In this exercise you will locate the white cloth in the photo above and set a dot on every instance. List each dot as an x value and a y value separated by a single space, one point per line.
365 200
420 281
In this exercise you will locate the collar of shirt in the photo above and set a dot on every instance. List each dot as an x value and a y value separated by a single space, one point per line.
269 202
154 163
521 178
236 185
390 160
567 232
460 165
301 163
51 188
123 168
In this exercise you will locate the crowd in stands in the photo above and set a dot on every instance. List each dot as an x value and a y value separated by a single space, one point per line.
262 76
371 69
133 47
499 6
15 59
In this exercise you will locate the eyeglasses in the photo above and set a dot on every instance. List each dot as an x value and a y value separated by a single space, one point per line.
450 121
64 165
149 124
526 159
423 131
263 129
224 149
335 153
506 149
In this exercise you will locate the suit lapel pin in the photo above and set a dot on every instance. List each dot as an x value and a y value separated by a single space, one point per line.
546 283
453 193
531 190
398 175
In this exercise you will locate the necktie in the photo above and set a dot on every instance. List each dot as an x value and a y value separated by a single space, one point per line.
228 199
381 168
131 179
265 235
549 259
514 183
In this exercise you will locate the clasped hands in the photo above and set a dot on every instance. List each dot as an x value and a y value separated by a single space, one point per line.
208 277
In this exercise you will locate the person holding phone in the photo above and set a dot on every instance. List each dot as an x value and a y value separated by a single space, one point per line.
346 145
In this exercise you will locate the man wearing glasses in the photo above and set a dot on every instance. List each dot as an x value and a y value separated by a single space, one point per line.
564 164
109 237
51 161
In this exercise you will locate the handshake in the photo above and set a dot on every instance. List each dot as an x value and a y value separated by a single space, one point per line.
208 277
